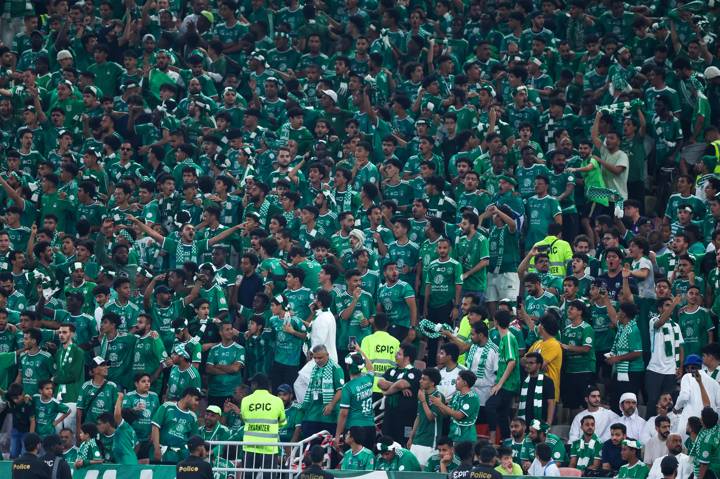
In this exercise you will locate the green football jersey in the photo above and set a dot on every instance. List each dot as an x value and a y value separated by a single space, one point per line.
362 460
464 429
403 460
176 426
442 277
356 396
95 400
428 431
225 384
508 350
469 252
179 380
288 348
639 470
123 444
145 407
149 353
586 452
694 326
35 368
406 256
393 301
433 464
45 414
120 352
580 335
364 310
299 301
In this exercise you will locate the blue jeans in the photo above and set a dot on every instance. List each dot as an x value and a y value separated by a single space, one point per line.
16 443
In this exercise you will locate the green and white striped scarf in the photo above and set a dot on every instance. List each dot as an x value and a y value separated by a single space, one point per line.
537 397
477 357
596 193
321 383
584 459
182 256
671 339
622 346
432 330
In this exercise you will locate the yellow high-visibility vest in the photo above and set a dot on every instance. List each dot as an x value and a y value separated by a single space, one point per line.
263 414
380 348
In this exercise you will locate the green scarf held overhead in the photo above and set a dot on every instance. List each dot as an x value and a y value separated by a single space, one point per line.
321 382
536 398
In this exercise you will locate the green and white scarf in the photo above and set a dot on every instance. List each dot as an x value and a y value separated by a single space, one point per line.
537 397
477 357
622 346
181 255
596 193
432 330
671 339
584 459
321 383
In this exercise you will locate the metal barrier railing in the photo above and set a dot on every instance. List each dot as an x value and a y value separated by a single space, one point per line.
230 458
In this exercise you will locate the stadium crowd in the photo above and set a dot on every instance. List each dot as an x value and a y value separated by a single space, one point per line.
493 223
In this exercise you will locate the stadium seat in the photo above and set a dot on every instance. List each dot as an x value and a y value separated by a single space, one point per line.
570 472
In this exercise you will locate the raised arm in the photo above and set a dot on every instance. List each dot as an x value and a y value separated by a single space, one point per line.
147 229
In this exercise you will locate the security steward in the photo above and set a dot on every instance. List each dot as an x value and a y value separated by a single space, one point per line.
380 348
195 466
29 465
263 414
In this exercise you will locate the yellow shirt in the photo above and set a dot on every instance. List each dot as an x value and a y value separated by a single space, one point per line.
551 351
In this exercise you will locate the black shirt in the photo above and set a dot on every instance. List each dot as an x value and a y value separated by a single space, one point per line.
398 402
547 394
63 469
315 472
467 471
29 466
611 454
250 286
193 468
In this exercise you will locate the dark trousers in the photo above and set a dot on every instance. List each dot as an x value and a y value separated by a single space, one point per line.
636 191
367 436
656 385
218 400
571 225
498 411
398 332
573 388
438 315
283 374
313 427
397 425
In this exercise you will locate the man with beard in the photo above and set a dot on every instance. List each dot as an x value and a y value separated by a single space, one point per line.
258 203
603 417
674 450
585 453
517 438
161 74
656 446
663 407
186 248
610 457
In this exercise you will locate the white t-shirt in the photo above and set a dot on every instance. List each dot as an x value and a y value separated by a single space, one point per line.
659 362
616 182
604 418
548 470
685 467
322 331
447 381
646 287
